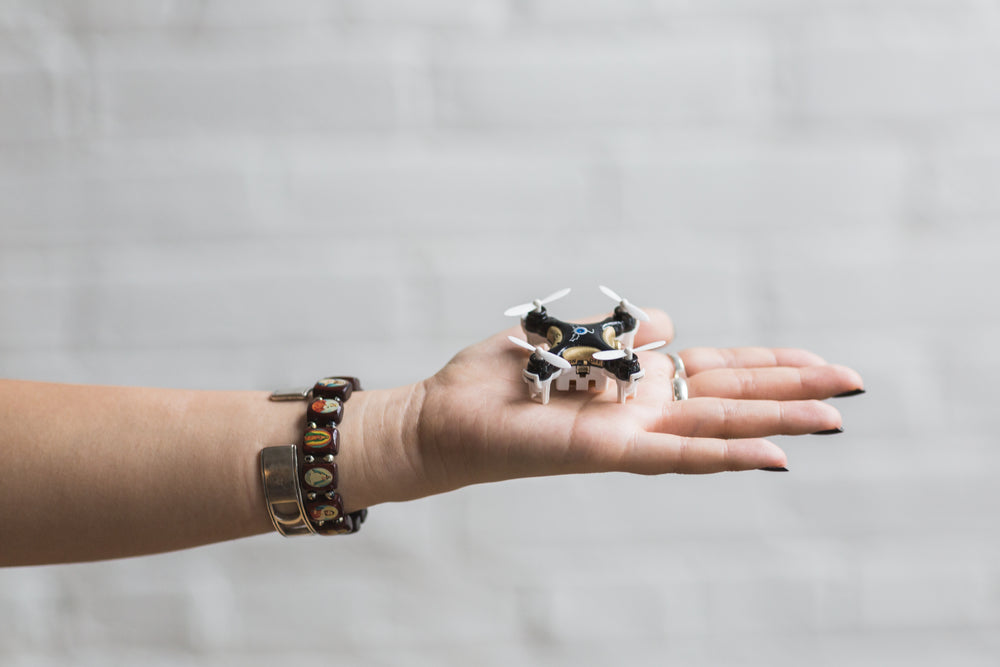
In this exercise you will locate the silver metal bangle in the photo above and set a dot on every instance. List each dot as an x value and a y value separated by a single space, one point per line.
281 491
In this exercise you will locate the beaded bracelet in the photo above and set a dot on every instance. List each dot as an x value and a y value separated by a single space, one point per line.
320 508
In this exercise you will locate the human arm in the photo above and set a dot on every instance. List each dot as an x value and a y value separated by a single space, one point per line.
101 472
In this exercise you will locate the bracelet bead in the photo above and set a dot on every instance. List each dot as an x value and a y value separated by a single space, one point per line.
335 387
321 441
320 475
324 411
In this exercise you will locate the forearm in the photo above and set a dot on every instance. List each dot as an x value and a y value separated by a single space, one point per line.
101 472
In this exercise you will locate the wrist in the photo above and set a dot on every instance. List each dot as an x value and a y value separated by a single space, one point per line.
379 459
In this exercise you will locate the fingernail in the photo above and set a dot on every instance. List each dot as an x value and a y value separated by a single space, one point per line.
853 392
830 431
774 469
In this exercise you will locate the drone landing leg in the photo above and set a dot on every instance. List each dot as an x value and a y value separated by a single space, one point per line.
546 389
627 388
537 387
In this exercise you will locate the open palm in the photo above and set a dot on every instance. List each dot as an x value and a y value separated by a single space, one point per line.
477 423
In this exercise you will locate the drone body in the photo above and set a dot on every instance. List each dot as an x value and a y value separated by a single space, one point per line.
581 355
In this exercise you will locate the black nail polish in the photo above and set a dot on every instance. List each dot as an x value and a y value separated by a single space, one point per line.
853 392
830 431
774 469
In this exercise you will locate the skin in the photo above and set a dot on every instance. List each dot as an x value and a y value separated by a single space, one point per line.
91 473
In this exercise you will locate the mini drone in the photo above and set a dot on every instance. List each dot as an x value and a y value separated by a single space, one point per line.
581 355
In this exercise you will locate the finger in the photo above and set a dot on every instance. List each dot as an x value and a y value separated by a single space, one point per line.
701 359
730 418
659 327
657 453
777 384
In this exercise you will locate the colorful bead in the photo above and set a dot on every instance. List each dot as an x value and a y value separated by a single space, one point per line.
325 410
318 477
317 438
321 442
325 406
324 513
334 387
355 382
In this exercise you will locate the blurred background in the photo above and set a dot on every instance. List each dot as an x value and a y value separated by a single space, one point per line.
204 193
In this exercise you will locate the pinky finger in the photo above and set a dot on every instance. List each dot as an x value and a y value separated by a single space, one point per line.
658 453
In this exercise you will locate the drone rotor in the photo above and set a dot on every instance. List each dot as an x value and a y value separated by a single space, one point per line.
547 357
525 308
633 310
609 355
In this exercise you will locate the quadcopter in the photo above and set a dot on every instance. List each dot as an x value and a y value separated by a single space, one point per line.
581 355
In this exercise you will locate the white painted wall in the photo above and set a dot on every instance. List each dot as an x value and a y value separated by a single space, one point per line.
205 193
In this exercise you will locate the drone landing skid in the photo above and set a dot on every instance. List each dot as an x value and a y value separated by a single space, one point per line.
542 389
628 388
538 388
565 381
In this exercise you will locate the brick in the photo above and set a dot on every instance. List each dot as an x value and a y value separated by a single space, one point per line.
36 318
33 115
323 96
402 606
563 12
126 191
870 71
233 82
103 15
126 315
783 9
594 511
764 605
616 613
887 296
570 84
139 620
963 177
28 602
737 185
444 190
874 500
491 14
949 586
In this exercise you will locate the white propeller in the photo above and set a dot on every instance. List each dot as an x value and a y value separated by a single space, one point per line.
525 308
548 357
608 355
633 310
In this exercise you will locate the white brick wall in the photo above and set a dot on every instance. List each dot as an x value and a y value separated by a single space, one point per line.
173 174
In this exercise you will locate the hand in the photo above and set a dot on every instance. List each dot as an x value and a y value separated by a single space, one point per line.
473 421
